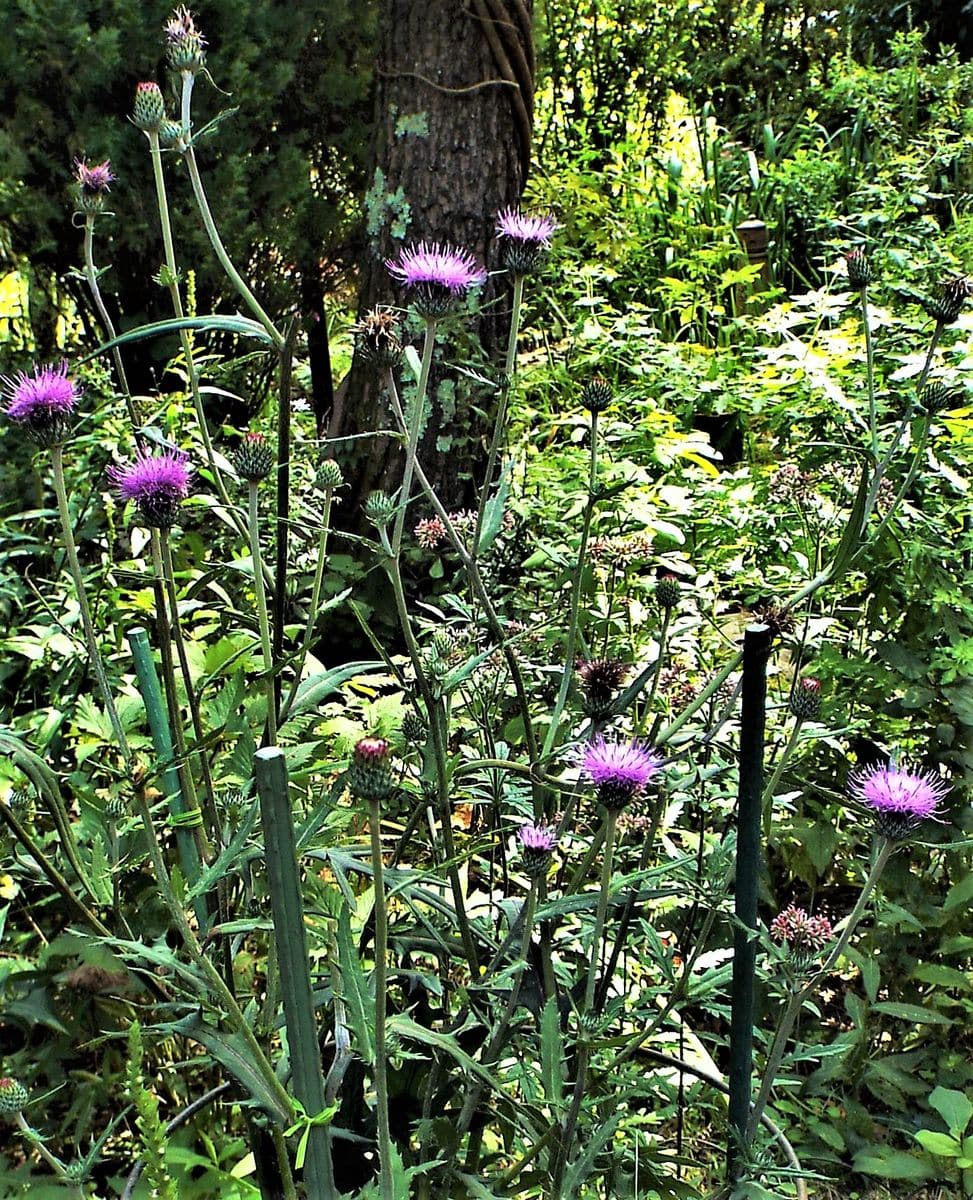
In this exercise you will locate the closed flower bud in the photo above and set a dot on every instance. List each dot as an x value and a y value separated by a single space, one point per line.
13 1096
329 475
667 591
935 396
859 268
369 776
380 509
253 458
170 134
21 802
596 395
413 728
804 937
115 808
947 306
600 678
149 110
806 699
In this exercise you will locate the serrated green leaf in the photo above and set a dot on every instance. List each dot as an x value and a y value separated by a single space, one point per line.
911 1012
318 687
552 1054
355 990
960 894
407 1028
218 322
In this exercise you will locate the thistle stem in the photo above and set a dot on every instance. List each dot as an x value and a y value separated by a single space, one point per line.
767 800
499 425
576 587
315 604
209 224
263 620
386 1183
413 434
796 1001
870 373
91 277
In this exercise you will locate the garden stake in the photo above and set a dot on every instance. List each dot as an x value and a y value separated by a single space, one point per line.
287 908
756 651
187 831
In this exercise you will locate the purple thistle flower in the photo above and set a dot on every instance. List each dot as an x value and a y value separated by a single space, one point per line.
526 238
538 843
157 483
438 274
619 770
41 403
95 179
184 42
900 799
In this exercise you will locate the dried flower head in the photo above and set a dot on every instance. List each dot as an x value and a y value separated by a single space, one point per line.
601 678
805 936
377 338
157 483
779 620
42 404
430 533
900 799
437 274
149 110
537 843
525 239
620 771
184 43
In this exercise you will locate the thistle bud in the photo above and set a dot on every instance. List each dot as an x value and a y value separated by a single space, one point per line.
21 802
935 396
170 134
13 1096
596 394
667 591
254 458
442 643
369 776
947 306
380 509
805 703
329 475
115 808
859 268
94 182
413 728
537 843
149 110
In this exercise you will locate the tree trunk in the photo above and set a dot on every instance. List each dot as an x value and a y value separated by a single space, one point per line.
451 147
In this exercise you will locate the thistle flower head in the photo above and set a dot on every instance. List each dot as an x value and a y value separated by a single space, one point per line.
667 591
41 403
437 274
596 394
805 702
254 457
620 771
953 293
157 483
859 267
94 182
184 43
13 1096
526 238
900 799
537 843
430 532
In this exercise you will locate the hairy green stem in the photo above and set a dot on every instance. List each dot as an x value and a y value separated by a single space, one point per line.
260 597
870 373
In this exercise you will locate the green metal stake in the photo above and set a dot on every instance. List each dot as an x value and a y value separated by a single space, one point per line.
155 708
287 909
756 651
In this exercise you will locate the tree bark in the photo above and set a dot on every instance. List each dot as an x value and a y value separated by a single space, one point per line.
454 102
